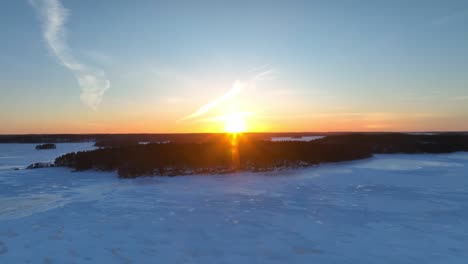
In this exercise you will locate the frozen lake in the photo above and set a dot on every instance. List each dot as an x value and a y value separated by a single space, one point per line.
387 209
306 138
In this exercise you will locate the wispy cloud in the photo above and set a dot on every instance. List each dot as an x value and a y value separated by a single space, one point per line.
451 18
93 83
237 87
459 98
222 118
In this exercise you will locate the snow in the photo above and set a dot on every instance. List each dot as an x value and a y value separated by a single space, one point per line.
307 138
387 209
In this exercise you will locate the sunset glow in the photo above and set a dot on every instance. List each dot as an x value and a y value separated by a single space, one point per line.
235 123
66 75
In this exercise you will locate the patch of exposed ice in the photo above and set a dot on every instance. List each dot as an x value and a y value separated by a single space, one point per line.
399 164
307 138
18 207
422 133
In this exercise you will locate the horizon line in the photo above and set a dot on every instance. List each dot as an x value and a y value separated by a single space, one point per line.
255 132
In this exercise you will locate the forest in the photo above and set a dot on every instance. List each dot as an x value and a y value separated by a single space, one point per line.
228 154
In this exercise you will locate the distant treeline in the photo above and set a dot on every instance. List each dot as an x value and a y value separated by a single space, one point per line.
220 155
46 146
124 139
390 143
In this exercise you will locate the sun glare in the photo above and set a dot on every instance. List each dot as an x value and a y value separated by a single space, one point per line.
234 123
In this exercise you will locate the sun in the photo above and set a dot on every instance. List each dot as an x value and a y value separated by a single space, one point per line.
234 123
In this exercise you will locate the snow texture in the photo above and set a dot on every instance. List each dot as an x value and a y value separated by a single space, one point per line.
387 209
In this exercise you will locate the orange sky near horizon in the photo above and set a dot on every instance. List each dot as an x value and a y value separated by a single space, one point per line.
375 122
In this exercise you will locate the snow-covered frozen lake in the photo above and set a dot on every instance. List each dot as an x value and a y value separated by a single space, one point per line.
388 209
306 138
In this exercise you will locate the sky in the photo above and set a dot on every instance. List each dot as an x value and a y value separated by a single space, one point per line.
147 66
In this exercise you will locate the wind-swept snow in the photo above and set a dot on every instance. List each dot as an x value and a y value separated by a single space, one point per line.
388 209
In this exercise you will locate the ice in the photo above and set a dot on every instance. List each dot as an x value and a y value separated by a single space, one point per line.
307 138
405 163
386 209
17 207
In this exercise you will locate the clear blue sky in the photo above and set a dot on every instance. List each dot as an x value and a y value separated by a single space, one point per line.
331 65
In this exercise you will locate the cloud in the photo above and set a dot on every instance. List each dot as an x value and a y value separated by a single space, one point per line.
236 88
451 18
460 98
93 83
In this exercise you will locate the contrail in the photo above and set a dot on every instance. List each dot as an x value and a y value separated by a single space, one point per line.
53 16
237 87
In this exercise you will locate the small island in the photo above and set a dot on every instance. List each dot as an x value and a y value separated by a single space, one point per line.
233 153
46 146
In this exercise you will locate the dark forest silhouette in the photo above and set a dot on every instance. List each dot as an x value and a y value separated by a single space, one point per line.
221 155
